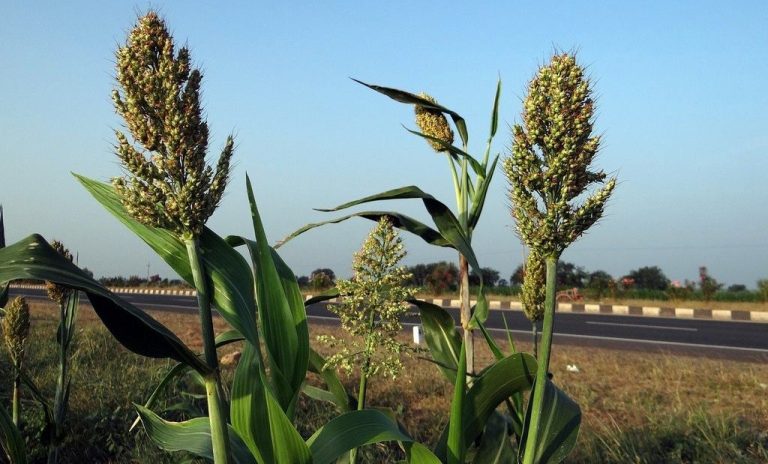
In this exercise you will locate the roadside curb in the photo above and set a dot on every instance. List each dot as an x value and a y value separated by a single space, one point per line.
579 308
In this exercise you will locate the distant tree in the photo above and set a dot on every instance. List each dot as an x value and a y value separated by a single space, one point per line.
762 289
419 274
154 280
134 281
708 285
321 279
647 278
518 276
502 283
570 275
444 276
303 281
599 282
737 288
490 277
328 272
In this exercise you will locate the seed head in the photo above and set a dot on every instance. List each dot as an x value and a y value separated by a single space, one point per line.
434 124
168 182
56 292
534 286
15 326
549 164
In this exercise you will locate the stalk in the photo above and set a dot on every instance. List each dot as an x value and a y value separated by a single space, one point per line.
216 414
363 385
16 399
466 314
58 399
541 374
535 332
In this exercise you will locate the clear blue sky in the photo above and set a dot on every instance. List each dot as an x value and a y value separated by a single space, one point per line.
682 106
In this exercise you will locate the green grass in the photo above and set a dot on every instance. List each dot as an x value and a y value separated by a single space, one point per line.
638 407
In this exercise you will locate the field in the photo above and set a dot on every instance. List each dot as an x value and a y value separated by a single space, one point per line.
637 407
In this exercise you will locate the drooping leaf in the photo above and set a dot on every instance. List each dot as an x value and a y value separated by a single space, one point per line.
398 220
11 441
193 436
352 430
336 392
558 427
495 446
259 418
411 99
476 166
326 295
441 335
223 339
230 278
34 258
416 453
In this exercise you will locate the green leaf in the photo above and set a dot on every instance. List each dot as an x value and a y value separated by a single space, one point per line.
398 220
229 274
282 313
34 258
445 220
559 427
3 287
416 453
493 386
260 420
336 391
442 338
193 436
353 430
411 99
495 446
476 166
495 111
11 442
223 339
478 199
326 295
456 442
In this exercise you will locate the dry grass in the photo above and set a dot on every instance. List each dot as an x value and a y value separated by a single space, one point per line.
637 406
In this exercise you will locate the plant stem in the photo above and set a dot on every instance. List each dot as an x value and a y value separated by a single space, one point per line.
16 399
466 314
216 413
362 389
537 397
58 399
535 332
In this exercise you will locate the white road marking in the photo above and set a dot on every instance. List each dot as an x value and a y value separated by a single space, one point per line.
597 337
644 326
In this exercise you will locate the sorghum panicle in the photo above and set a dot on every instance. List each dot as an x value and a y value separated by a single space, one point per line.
549 165
15 326
433 123
534 286
168 182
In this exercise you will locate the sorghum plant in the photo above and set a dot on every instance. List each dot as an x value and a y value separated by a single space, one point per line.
15 327
471 178
533 292
174 188
548 169
68 302
374 301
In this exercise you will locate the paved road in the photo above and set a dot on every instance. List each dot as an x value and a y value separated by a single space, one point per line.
711 338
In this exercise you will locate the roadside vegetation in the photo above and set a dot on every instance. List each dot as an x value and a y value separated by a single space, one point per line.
637 407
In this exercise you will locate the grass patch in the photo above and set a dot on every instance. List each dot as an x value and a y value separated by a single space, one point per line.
638 407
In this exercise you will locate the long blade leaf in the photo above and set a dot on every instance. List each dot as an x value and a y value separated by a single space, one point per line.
559 427
476 166
229 274
34 258
442 338
411 99
193 436
11 441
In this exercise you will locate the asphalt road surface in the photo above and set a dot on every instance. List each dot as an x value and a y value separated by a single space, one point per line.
699 337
